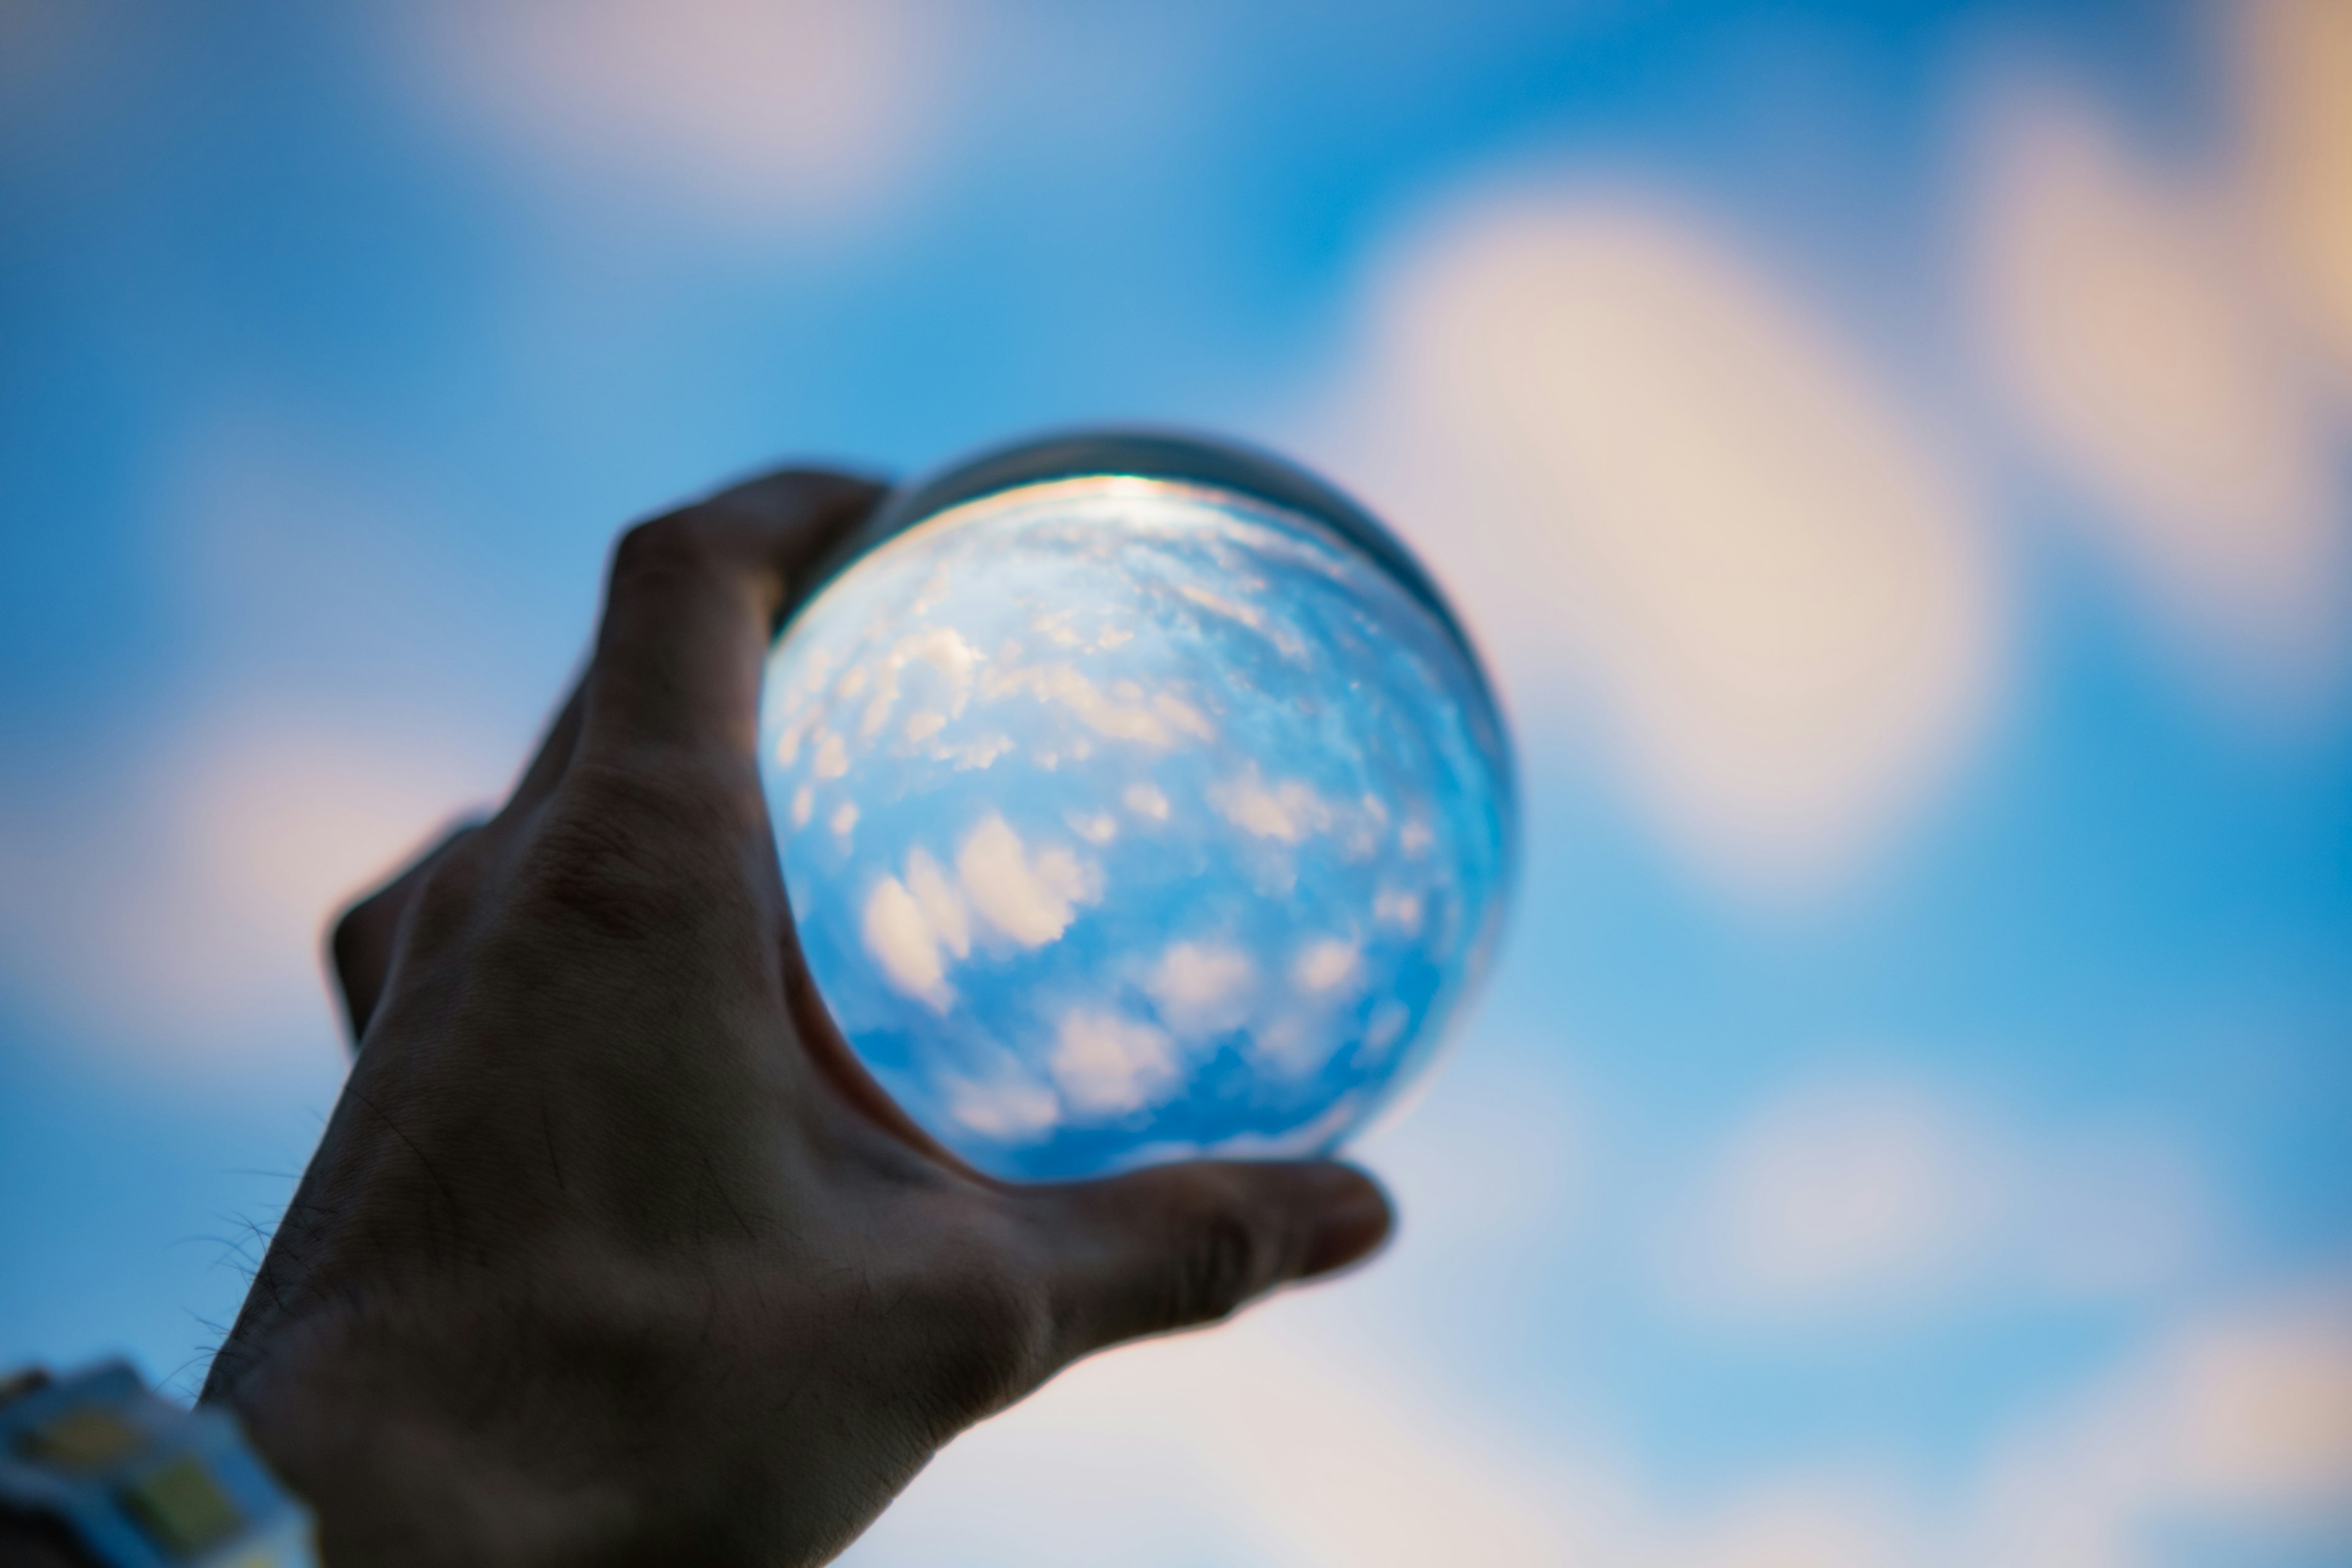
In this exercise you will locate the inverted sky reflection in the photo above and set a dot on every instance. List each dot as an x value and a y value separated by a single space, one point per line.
1125 819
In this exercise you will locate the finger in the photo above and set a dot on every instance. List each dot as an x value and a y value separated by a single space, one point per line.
693 601
554 755
363 941
1182 1245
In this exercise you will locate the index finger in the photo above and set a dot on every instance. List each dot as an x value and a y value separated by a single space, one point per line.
693 600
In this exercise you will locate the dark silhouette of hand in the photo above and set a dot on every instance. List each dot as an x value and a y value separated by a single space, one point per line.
611 1251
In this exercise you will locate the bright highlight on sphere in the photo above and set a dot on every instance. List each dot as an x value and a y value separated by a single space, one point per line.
1126 820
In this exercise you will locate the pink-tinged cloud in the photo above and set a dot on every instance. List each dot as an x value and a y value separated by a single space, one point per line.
1679 503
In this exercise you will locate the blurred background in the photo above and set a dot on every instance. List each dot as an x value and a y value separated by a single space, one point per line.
1899 458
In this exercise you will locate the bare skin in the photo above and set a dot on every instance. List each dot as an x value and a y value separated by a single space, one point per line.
610 1252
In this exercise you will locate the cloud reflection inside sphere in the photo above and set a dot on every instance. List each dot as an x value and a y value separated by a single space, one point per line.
1127 819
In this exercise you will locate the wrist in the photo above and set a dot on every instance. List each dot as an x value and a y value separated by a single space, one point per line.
424 1433
567 1407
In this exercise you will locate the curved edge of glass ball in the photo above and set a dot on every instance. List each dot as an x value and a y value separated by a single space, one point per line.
1217 462
1246 475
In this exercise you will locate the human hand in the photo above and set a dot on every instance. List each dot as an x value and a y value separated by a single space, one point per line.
611 1250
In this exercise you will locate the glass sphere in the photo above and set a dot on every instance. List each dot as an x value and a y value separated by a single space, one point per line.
1129 818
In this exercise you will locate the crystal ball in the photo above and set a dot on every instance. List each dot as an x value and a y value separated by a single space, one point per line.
1129 816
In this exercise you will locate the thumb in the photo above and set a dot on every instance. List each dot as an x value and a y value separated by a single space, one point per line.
1178 1246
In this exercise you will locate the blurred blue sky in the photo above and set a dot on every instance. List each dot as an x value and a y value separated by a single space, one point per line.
1895 454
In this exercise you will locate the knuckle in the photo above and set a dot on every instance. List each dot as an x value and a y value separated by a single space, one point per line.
449 889
632 852
661 548
435 894
796 495
597 869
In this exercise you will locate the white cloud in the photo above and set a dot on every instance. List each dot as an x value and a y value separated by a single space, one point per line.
1202 988
912 929
1325 1430
1011 1108
980 752
1287 811
2131 339
1030 897
1265 1444
1158 720
1328 966
1206 989
180 914
764 110
1250 1443
1107 1064
1249 615
1026 893
337 697
1146 801
898 936
1094 826
2242 1418
1839 1194
1494 1164
946 652
1843 1197
1398 908
1700 519
943 906
2264 1406
1182 716
951 662
2296 56
1804 1524
1293 1437
1294 1041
